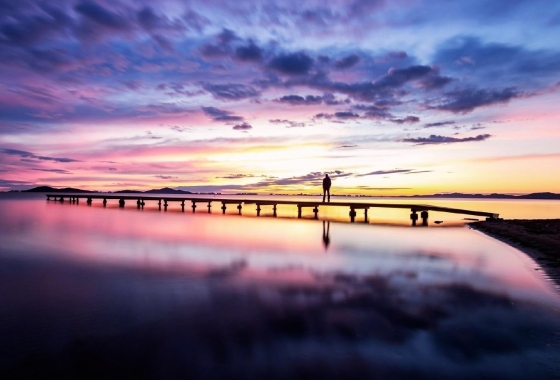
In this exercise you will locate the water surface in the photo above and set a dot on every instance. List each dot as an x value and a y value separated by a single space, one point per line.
93 292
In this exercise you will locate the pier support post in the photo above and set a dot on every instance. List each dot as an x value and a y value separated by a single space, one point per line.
121 202
48 198
299 212
138 203
159 204
61 199
209 207
365 215
223 207
258 209
183 205
414 217
193 206
104 202
88 201
78 200
424 216
239 207
165 205
274 211
316 212
352 214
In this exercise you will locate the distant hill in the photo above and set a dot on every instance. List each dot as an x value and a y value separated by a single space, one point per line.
489 196
48 189
167 190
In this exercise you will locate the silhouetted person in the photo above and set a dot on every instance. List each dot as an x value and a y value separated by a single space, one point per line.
326 187
326 238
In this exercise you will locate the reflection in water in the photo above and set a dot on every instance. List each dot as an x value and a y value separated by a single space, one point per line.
326 230
88 292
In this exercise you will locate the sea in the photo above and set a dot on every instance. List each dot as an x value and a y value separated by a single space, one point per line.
109 292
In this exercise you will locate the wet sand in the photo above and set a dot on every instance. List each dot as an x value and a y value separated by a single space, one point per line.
539 238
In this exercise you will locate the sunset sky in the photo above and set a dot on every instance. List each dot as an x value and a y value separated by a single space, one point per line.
389 97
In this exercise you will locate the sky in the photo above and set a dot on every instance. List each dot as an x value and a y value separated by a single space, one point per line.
389 97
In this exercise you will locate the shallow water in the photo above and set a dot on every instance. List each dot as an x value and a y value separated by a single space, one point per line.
87 291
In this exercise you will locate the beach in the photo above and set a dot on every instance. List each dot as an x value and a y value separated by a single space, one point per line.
538 238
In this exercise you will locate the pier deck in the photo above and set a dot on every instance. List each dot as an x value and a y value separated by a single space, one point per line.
164 201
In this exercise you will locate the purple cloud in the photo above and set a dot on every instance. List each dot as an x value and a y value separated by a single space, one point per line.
437 139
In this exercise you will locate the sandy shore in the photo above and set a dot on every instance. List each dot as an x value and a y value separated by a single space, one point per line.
539 238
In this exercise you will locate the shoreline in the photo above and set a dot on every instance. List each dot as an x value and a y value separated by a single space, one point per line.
537 238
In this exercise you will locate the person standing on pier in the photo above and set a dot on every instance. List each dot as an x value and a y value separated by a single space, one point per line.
326 187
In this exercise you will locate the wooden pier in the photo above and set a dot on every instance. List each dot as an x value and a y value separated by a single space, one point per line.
164 202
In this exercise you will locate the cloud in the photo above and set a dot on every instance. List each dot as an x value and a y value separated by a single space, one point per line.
292 64
221 47
466 100
217 114
438 124
237 176
165 177
59 171
385 172
101 16
407 120
343 115
242 127
249 52
288 123
347 62
310 179
437 139
231 91
300 100
24 154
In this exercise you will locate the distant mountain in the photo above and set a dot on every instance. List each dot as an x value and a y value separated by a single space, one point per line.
48 189
167 190
489 196
540 196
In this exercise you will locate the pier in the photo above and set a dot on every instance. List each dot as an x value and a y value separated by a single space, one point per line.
417 211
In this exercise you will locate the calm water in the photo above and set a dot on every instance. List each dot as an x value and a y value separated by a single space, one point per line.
93 292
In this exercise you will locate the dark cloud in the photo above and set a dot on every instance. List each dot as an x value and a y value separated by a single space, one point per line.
249 52
384 172
59 171
237 176
437 139
231 91
438 124
297 100
217 114
287 123
312 179
330 99
221 47
242 127
165 177
373 111
101 15
466 100
347 62
342 115
292 64
407 120
24 154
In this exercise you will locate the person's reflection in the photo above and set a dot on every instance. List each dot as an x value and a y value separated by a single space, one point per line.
326 238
